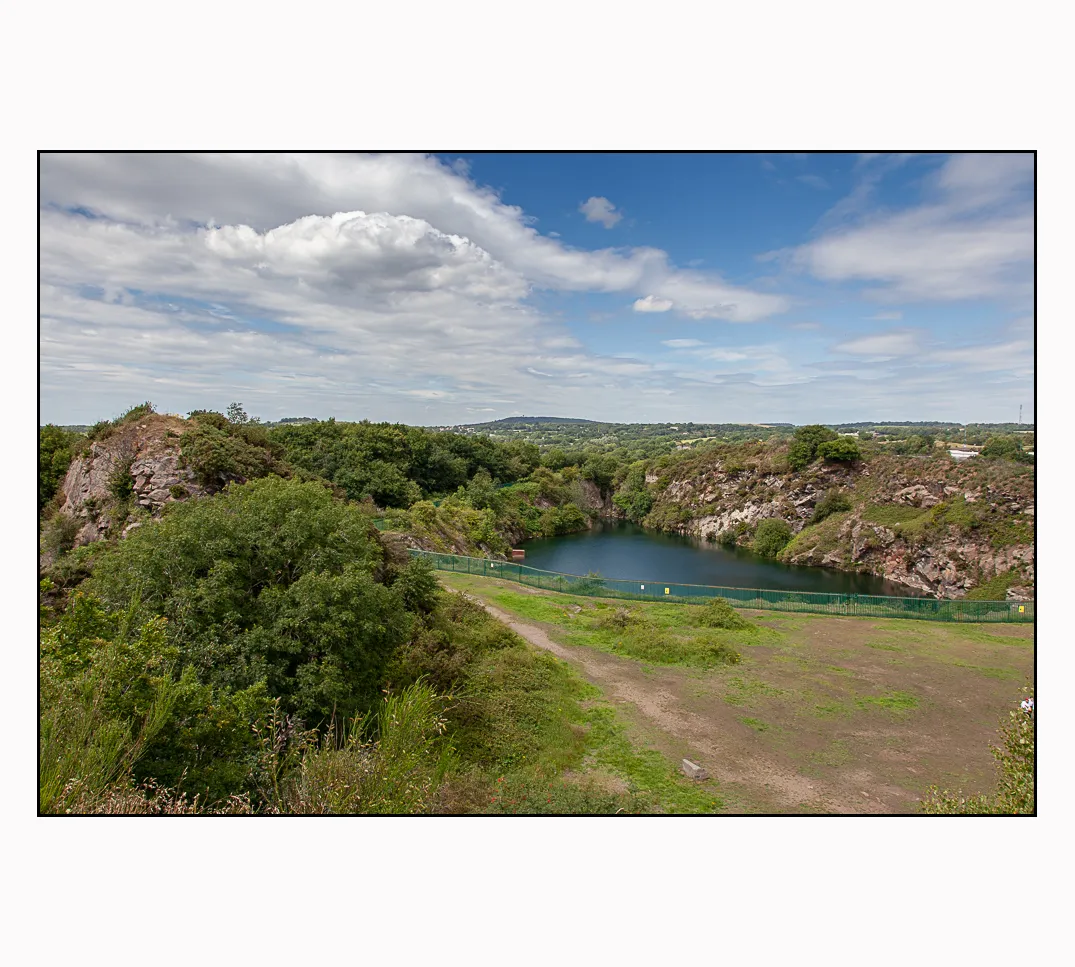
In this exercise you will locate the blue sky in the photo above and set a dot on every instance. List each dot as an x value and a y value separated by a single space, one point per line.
449 289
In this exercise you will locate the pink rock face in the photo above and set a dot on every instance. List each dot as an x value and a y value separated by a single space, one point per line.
150 452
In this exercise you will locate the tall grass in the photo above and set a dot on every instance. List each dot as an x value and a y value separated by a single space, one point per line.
399 771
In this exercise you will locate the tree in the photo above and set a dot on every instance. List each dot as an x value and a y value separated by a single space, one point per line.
842 450
771 537
237 415
1005 448
805 443
272 581
54 449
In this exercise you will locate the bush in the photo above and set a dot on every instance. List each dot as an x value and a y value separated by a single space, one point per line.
771 537
58 534
135 413
217 455
719 614
271 580
101 430
804 448
844 450
54 453
834 502
1006 448
120 481
1015 780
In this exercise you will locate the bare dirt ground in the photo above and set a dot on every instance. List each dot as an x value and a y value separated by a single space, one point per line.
841 715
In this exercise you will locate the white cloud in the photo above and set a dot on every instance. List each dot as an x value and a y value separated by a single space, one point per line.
599 209
885 317
341 285
972 240
814 181
900 342
652 304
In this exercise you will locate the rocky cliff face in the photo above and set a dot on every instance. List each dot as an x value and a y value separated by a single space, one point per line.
933 525
140 458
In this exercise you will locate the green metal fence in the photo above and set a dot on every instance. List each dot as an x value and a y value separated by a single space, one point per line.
861 605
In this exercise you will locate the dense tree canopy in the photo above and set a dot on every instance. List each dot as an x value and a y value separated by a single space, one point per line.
396 465
273 581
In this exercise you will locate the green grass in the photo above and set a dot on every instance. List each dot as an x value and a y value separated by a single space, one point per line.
994 589
893 702
659 634
892 515
647 773
747 691
756 724
527 719
880 647
971 633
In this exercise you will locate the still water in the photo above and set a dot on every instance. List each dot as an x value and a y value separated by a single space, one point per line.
625 551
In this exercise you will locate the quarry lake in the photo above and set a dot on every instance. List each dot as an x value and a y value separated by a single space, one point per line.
625 551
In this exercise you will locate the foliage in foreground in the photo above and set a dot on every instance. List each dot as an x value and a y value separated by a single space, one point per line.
1015 793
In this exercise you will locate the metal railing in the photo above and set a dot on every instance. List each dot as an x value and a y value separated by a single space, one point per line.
860 605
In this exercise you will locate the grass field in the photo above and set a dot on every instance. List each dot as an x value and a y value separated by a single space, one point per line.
818 714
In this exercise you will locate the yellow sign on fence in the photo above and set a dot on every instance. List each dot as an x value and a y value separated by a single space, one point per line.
666 591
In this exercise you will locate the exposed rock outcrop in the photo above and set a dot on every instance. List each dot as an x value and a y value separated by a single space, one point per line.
147 454
947 558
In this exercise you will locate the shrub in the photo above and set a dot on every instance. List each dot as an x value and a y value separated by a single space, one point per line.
217 456
178 491
135 413
120 481
771 537
101 430
1015 780
719 614
54 453
804 448
843 450
833 502
269 580
592 583
1005 448
58 534
400 771
619 620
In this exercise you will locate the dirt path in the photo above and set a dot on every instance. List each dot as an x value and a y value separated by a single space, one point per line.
658 704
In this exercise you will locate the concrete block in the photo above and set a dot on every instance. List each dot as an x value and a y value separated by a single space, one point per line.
693 771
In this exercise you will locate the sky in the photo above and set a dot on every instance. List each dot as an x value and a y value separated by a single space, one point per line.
438 290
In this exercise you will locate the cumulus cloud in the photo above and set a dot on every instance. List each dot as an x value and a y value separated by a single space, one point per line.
599 209
652 304
388 287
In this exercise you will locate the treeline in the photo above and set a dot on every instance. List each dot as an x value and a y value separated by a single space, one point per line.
395 465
